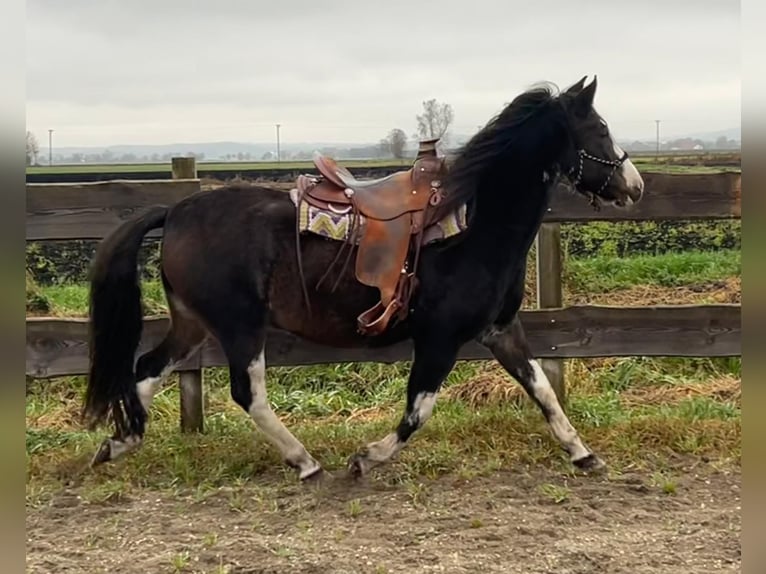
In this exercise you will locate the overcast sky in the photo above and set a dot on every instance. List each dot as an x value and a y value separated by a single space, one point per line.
135 71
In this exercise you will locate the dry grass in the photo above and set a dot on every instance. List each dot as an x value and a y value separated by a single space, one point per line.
728 290
209 183
726 389
494 386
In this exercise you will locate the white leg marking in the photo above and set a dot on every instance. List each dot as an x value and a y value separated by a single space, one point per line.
422 408
147 388
260 410
386 448
630 174
560 425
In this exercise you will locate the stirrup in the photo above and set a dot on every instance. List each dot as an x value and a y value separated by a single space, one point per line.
368 325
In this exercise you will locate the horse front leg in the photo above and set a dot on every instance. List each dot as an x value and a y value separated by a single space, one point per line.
432 362
509 346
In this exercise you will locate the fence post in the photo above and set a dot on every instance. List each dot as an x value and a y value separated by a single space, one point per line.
549 294
190 382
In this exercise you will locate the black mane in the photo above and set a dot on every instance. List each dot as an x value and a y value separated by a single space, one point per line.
508 138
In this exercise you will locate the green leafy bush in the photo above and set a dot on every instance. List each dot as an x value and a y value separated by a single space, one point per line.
648 237
36 301
57 262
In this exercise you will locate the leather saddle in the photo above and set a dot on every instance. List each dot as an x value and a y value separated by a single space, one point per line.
396 209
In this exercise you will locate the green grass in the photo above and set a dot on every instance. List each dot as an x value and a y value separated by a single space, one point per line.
637 412
583 275
604 274
71 300
458 439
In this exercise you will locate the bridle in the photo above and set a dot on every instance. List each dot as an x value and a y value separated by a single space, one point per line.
576 180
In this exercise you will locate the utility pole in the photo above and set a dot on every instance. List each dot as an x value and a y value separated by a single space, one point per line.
657 153
50 147
278 154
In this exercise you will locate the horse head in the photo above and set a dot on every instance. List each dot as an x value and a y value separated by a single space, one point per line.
593 162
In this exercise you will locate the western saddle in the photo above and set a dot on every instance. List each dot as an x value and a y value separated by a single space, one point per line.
396 210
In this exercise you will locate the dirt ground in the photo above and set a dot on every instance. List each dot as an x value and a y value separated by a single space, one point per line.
530 522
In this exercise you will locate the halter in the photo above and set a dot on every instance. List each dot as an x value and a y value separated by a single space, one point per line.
615 163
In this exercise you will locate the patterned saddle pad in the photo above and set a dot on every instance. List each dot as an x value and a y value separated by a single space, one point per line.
338 226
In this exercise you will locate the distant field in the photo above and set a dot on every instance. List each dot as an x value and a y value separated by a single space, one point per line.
204 166
668 163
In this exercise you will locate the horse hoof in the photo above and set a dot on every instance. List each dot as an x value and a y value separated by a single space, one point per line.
315 477
357 466
590 464
103 454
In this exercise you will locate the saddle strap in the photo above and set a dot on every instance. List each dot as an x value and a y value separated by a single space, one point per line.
304 183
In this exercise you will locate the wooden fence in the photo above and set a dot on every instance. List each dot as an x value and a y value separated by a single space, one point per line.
58 346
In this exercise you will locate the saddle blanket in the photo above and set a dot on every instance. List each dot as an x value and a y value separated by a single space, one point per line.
338 226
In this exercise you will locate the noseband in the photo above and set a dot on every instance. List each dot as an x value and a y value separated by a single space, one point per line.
583 155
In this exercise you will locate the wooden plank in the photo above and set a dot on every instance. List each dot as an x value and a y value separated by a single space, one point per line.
662 330
550 294
93 210
58 346
192 411
667 196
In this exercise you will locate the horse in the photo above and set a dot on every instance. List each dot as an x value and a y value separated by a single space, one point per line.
229 271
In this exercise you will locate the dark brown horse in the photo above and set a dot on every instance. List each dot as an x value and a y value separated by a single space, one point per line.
229 268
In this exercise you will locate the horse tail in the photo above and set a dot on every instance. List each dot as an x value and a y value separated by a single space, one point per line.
116 321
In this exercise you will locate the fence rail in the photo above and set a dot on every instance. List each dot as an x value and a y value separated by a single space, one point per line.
65 211
92 210
57 347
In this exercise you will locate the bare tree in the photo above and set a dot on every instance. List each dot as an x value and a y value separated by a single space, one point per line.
435 121
33 150
397 140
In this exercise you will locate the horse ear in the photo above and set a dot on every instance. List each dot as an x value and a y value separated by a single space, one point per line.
575 89
584 100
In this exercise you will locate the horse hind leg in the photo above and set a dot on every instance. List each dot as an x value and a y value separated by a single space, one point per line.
183 339
244 345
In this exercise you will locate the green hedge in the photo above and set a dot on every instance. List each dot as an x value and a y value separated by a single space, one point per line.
69 261
648 238
36 301
54 262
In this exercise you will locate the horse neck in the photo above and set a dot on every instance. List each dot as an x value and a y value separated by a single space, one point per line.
511 205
